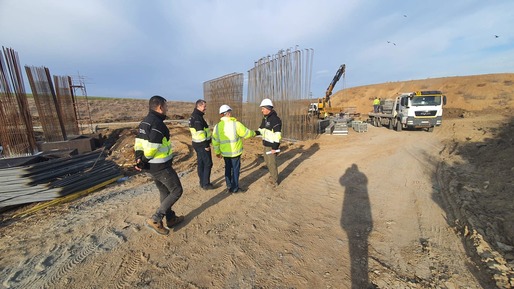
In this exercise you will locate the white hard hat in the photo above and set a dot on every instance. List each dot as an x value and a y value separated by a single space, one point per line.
224 108
266 102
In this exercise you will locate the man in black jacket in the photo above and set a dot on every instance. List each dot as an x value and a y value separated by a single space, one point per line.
271 132
201 136
154 154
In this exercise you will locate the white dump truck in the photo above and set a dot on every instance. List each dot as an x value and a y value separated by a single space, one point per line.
420 109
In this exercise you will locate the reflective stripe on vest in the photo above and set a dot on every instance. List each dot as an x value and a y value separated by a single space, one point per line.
155 152
229 144
200 135
270 135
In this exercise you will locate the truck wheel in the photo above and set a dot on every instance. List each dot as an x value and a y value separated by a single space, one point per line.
398 125
431 129
391 124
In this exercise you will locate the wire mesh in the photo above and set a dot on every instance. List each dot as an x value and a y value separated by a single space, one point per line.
16 129
284 78
227 89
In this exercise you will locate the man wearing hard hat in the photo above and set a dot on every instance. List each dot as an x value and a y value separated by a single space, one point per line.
227 141
271 132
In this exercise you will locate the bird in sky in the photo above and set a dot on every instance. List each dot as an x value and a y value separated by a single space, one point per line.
496 36
404 15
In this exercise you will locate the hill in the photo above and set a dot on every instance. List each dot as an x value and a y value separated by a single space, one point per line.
470 93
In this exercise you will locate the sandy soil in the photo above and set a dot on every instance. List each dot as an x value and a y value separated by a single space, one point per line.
377 209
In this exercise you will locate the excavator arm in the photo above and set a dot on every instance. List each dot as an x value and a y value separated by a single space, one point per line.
338 75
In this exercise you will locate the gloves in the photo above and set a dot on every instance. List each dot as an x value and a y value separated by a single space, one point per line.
142 163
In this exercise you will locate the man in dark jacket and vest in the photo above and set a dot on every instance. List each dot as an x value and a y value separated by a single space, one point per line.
201 135
271 132
154 155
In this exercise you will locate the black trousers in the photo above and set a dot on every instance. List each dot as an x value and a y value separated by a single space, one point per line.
204 160
170 190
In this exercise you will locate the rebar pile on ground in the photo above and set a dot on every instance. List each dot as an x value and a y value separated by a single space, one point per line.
227 89
54 178
284 78
46 103
66 101
16 129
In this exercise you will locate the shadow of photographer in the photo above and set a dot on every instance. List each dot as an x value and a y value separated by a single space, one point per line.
356 220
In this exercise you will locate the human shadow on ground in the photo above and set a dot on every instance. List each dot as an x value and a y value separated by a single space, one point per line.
249 179
218 183
356 220
209 203
284 173
304 154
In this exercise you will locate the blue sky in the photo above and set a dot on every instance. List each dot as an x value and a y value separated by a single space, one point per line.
139 48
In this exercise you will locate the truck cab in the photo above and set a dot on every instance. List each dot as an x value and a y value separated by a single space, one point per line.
421 109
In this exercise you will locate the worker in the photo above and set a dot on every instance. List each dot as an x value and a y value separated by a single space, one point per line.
153 154
201 138
376 104
227 142
271 132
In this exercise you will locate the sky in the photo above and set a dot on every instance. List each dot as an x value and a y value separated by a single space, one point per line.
140 48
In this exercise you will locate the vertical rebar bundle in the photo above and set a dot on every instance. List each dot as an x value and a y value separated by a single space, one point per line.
16 130
66 100
284 78
227 89
46 103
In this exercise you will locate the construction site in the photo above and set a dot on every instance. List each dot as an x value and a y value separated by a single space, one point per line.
359 205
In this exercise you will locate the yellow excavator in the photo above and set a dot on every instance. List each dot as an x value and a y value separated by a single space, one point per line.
322 108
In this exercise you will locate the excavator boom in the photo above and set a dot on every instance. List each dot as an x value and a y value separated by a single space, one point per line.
338 75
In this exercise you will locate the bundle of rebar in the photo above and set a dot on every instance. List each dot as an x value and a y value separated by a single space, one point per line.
227 89
54 178
66 104
16 129
46 103
285 79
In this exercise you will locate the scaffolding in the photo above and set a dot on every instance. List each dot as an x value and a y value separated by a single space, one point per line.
81 102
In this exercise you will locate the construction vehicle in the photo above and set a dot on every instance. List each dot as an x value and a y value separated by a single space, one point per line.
419 109
323 108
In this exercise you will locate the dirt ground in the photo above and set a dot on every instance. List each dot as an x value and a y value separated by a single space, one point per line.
376 209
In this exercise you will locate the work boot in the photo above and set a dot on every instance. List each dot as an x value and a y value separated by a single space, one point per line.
174 221
157 227
239 190
208 187
272 183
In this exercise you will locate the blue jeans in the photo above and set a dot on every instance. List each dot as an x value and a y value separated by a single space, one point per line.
204 160
232 168
170 190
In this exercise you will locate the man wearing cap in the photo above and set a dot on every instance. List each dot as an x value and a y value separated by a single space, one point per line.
201 136
154 154
227 141
271 132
